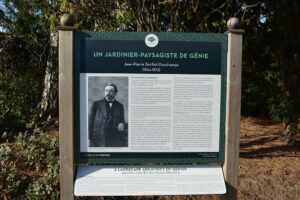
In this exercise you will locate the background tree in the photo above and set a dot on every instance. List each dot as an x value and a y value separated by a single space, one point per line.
23 55
157 15
271 64
271 52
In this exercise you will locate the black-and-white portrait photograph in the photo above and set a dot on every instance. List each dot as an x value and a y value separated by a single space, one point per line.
108 111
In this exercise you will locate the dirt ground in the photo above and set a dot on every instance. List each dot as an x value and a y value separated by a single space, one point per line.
269 167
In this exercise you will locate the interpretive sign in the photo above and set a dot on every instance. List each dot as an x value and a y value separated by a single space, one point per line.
149 98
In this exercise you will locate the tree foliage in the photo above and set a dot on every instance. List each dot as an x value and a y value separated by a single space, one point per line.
270 57
23 53
157 15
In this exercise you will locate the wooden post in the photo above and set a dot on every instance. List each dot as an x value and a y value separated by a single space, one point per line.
233 108
66 143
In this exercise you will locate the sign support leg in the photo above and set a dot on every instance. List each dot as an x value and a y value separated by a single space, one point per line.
233 110
66 148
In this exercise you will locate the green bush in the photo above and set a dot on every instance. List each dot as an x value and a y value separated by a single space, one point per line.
29 166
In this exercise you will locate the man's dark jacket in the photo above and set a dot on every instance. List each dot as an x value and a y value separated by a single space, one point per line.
98 124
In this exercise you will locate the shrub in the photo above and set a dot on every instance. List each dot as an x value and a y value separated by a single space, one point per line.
29 167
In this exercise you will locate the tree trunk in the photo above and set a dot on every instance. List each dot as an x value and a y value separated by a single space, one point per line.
290 87
48 106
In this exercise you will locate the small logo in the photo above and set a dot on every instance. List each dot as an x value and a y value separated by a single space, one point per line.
151 40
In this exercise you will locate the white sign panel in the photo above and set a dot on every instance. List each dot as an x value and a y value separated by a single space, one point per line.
163 113
149 180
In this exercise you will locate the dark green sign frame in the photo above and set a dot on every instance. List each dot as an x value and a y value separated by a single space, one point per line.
87 42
